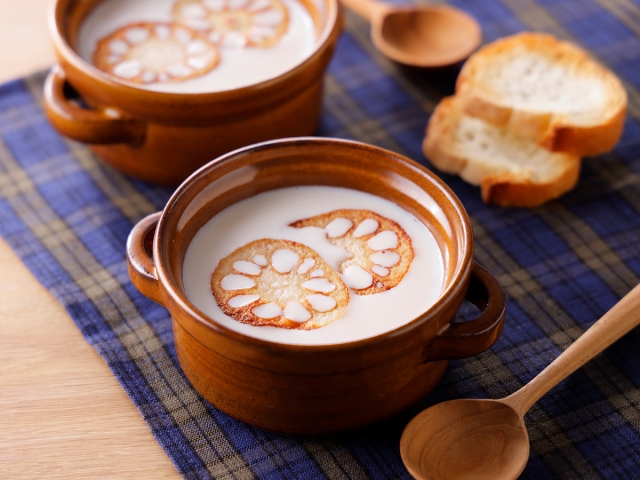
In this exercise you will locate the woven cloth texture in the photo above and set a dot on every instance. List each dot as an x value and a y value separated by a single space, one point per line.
563 265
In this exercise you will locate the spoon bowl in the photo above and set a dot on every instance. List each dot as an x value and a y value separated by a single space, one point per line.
469 439
426 36
487 439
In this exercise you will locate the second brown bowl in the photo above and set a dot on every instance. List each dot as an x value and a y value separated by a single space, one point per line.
164 137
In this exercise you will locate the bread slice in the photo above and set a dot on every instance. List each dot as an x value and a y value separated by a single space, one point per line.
546 89
511 170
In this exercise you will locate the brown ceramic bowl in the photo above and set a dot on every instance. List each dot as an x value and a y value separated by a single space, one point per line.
164 137
327 388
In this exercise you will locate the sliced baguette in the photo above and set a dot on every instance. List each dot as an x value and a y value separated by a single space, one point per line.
546 89
511 170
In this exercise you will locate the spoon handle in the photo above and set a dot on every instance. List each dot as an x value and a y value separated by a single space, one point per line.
367 9
618 321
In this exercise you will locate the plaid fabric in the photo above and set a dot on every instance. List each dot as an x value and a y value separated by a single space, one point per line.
562 265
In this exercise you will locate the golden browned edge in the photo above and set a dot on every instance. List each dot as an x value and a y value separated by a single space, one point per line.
245 314
440 127
505 189
587 141
266 43
552 131
404 249
102 53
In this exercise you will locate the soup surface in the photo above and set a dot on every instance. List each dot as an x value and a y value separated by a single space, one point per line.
368 312
235 66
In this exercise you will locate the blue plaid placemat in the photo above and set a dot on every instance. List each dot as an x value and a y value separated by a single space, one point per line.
562 265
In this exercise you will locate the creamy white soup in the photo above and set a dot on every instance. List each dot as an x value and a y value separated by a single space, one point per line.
372 308
236 65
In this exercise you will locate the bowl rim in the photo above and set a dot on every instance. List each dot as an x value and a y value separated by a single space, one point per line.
65 51
457 281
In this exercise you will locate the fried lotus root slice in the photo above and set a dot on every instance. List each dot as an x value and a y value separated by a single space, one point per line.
235 23
279 283
148 53
381 251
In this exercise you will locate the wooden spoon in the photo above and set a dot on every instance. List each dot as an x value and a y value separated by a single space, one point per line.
487 439
420 36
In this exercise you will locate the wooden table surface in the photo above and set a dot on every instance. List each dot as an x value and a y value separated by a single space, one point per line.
62 413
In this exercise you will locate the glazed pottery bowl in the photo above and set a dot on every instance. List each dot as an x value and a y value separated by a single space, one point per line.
321 388
164 137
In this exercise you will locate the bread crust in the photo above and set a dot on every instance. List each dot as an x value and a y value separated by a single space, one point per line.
509 191
434 144
554 131
505 189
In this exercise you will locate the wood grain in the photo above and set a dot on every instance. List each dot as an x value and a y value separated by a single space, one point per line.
63 413
25 38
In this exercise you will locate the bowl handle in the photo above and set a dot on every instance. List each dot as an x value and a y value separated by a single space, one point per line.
86 126
142 268
466 339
